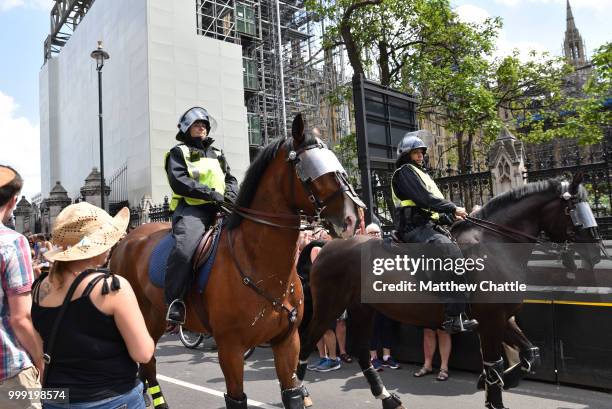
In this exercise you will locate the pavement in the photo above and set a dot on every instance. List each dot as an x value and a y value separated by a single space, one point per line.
193 379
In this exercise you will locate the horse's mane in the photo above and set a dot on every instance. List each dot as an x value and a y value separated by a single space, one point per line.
256 170
551 187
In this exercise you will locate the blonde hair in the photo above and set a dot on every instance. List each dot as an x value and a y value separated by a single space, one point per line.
59 269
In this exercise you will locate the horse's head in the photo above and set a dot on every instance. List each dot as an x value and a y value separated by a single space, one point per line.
570 219
323 184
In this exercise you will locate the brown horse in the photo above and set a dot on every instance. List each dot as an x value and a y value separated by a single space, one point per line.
542 206
253 294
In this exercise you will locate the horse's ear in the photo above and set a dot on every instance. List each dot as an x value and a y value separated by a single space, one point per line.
573 189
297 129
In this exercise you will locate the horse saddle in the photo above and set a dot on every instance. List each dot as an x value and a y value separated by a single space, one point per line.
205 247
202 259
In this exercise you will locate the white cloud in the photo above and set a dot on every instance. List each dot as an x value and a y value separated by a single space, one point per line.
20 145
37 4
10 4
473 14
505 47
510 3
597 5
469 13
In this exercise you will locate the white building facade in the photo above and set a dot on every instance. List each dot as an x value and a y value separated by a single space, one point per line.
158 68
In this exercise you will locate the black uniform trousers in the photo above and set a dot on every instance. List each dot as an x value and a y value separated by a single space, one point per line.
427 233
188 226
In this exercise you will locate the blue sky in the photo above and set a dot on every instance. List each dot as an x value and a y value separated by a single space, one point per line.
24 25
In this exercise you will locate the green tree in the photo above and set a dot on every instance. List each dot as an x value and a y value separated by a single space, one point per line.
382 35
346 151
583 117
421 46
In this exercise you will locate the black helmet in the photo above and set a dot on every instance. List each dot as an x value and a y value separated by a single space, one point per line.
411 141
192 115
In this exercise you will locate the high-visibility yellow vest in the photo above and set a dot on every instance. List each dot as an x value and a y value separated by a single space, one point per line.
430 185
207 171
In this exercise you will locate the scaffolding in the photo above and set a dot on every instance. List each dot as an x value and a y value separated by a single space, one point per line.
216 19
286 70
65 17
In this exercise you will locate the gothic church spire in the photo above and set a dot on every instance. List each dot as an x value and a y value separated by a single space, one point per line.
573 46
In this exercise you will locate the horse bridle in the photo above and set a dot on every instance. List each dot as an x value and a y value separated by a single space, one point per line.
307 175
307 171
579 211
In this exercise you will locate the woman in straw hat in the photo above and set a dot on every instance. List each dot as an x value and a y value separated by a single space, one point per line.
102 333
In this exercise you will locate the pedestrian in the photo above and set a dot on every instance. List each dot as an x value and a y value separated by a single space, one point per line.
373 230
328 360
444 343
20 345
103 333
382 338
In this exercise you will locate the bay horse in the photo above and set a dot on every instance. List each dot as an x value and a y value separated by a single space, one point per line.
546 206
253 294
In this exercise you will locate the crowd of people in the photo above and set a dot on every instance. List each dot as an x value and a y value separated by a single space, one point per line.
57 287
76 329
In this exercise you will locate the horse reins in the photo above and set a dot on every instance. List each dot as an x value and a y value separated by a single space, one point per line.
503 230
258 216
512 233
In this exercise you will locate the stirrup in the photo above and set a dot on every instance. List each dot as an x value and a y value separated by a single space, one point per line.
180 302
449 324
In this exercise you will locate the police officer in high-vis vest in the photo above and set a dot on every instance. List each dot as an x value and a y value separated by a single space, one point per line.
200 180
420 210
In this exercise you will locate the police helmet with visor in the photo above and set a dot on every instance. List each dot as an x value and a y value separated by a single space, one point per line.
412 141
192 115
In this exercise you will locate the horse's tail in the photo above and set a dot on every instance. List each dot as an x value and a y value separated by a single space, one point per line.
308 310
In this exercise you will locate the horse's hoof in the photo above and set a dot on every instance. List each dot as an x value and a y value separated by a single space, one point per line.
392 402
491 406
307 402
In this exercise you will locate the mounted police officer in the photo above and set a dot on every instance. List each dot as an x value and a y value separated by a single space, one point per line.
200 180
420 210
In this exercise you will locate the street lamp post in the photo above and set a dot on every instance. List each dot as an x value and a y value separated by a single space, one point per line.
100 56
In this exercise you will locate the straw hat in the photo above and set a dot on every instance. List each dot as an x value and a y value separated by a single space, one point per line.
6 175
82 231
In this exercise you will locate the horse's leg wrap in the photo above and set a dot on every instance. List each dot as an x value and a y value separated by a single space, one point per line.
293 398
494 383
300 374
376 385
530 357
231 403
158 398
301 370
513 376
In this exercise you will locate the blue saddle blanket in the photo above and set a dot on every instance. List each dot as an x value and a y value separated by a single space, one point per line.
159 260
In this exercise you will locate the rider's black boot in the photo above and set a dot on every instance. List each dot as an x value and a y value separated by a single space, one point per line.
235 404
454 324
176 312
293 398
